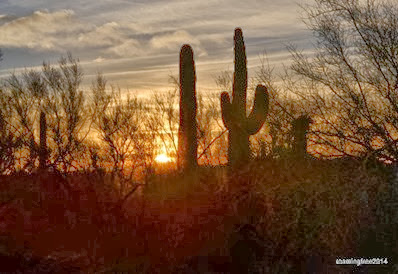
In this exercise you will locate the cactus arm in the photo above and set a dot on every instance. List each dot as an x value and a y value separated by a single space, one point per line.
259 111
226 110
240 75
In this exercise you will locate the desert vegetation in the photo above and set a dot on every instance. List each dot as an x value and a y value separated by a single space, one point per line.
100 181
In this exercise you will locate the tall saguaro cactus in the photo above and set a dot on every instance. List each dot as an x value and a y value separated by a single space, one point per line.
239 126
187 133
43 141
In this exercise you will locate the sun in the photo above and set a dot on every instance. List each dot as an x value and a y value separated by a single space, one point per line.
163 158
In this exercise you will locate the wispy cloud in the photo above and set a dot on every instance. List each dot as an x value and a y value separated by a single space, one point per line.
132 39
41 30
171 40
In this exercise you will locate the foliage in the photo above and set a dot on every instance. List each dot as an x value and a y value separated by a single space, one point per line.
65 106
296 211
10 141
277 138
351 80
212 143
56 93
121 126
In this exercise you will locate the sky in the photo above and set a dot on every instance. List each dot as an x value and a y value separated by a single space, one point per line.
136 44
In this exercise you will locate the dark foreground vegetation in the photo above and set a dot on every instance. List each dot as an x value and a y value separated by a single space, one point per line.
274 216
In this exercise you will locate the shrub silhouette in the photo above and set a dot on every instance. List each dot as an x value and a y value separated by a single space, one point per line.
187 134
239 126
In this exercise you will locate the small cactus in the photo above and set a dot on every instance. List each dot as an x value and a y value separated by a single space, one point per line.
43 141
187 133
2 126
239 126
300 127
2 141
32 152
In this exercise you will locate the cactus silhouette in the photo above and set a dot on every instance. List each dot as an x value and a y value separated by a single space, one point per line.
187 133
239 126
300 127
2 126
3 142
43 141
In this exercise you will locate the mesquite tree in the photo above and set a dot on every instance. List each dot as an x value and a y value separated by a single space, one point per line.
352 76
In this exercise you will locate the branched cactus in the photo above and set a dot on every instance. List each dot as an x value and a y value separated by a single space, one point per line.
239 126
187 134
43 141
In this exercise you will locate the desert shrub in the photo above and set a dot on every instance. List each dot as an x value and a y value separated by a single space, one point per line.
300 210
309 208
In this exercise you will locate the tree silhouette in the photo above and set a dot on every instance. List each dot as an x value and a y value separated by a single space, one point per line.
352 77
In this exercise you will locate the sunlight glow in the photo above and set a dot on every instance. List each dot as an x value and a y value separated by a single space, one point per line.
163 158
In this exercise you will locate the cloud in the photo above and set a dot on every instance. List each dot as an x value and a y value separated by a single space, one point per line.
149 27
39 30
61 31
4 18
104 35
113 38
99 59
174 40
171 40
118 36
127 48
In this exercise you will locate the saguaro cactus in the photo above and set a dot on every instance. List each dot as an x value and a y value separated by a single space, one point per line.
2 139
187 133
239 126
2 126
300 127
43 141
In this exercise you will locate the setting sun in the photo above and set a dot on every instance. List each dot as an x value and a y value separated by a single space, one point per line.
163 158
